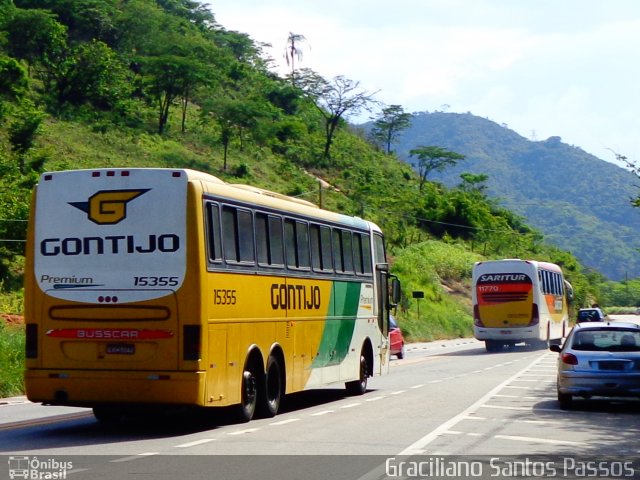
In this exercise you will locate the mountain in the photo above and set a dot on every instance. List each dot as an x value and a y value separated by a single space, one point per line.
580 202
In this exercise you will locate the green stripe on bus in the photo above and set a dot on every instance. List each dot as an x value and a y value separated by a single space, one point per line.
337 333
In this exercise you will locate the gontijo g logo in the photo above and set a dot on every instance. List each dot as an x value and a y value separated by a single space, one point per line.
108 207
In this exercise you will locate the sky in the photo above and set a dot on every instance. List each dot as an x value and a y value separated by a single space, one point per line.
567 68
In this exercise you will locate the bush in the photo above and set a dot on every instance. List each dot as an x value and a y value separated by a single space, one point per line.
11 359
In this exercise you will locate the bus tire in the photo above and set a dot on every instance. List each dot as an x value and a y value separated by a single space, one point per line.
492 346
270 396
108 414
359 387
249 396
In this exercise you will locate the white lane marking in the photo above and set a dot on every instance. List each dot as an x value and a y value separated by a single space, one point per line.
323 412
528 409
194 443
419 444
398 392
241 432
516 396
537 440
284 422
76 470
374 399
134 457
351 405
420 385
505 407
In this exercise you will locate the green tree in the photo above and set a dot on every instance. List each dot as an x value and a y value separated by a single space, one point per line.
234 113
92 73
433 158
13 79
23 130
86 19
388 125
474 182
35 37
167 78
334 100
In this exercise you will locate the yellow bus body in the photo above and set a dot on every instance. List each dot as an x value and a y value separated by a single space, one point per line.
171 323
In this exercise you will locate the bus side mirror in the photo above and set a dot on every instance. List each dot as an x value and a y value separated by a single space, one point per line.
396 292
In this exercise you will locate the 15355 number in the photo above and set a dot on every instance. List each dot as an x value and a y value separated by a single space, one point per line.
224 297
155 281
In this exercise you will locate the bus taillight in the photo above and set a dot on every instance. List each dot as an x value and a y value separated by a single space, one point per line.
535 315
476 317
191 342
31 341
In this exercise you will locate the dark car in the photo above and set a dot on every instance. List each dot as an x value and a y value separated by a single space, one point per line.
599 359
396 339
591 315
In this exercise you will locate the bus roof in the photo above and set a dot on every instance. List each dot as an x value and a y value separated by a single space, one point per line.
240 192
511 261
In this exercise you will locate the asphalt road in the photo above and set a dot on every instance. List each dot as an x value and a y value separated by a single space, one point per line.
445 399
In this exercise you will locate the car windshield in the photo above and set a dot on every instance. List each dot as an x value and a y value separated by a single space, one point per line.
616 340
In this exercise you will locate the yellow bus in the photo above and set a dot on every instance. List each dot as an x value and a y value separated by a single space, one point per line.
171 287
519 301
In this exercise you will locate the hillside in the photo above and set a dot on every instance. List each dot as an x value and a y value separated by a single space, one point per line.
160 83
580 202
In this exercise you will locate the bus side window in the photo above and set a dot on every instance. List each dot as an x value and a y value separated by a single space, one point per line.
361 254
378 249
302 244
347 251
320 243
262 238
269 240
337 250
229 229
213 233
325 248
357 254
276 243
296 244
237 225
367 268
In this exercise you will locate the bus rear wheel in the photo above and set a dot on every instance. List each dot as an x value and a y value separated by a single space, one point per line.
492 345
359 387
249 398
270 396
107 414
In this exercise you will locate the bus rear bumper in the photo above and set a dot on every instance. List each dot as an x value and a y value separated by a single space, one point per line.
517 334
91 388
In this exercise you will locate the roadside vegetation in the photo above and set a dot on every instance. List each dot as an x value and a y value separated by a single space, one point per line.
151 83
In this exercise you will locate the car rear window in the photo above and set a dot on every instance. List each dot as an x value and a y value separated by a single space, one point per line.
589 316
607 340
